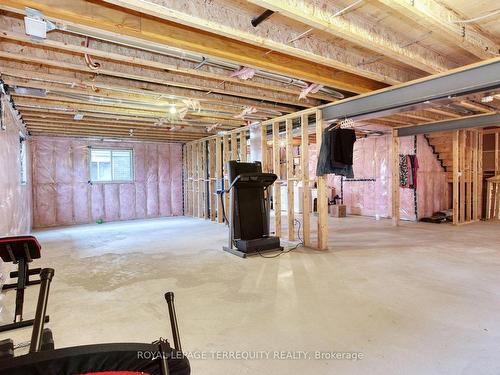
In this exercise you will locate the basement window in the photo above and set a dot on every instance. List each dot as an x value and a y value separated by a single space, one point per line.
22 158
111 165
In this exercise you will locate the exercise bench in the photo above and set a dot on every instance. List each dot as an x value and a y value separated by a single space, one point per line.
20 250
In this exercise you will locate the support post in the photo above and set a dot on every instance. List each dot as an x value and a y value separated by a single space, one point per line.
322 200
306 192
468 174
277 184
225 146
395 178
218 169
462 152
475 175
290 179
213 195
456 166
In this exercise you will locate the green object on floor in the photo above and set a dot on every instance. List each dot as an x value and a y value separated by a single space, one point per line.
100 221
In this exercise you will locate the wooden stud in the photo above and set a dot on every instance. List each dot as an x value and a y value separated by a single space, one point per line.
277 184
226 153
322 199
196 173
234 146
497 151
219 174
213 194
395 178
475 175
456 167
263 147
468 166
290 179
243 146
306 192
189 180
463 140
480 174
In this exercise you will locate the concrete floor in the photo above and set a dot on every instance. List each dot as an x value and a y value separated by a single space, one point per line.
418 299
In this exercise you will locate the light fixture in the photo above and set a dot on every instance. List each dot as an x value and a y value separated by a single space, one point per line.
78 116
173 110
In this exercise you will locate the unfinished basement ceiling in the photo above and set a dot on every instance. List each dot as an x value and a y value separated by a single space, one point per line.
165 69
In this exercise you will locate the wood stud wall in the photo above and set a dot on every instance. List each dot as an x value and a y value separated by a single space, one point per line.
467 176
233 146
395 177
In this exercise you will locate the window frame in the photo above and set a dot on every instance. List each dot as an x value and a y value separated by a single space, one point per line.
23 160
111 150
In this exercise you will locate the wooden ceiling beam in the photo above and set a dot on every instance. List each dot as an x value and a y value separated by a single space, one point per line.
113 69
178 69
201 122
100 134
113 22
206 17
438 18
38 104
478 107
381 40
91 126
129 89
80 104
104 120
146 126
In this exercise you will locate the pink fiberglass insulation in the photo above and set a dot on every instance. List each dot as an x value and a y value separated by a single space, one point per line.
15 197
152 196
63 195
432 188
372 161
407 200
165 189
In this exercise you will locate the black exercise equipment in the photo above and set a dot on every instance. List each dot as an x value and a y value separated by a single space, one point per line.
157 358
249 210
20 250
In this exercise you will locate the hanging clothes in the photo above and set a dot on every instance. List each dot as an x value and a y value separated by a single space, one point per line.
408 169
336 153
403 171
414 169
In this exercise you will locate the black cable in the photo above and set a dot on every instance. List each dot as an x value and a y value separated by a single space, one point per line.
301 243
223 208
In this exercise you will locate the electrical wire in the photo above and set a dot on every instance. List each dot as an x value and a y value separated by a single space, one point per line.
479 18
301 243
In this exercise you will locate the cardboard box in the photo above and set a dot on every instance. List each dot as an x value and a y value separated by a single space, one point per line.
338 210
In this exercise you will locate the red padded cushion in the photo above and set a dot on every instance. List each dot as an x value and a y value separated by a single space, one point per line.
16 244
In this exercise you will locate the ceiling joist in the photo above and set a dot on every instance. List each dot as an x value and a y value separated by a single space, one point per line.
106 20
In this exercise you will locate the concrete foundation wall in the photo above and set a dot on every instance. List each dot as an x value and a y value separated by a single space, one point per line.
62 194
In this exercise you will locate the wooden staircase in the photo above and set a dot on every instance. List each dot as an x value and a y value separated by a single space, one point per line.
442 146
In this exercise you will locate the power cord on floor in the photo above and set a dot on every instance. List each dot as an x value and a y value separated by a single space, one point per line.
301 243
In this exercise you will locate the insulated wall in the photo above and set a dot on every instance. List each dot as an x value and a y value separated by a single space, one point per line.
62 194
369 193
15 197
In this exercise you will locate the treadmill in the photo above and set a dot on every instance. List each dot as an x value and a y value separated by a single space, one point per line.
249 210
